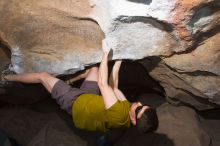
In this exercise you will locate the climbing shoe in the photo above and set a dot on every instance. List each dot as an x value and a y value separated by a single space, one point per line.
4 73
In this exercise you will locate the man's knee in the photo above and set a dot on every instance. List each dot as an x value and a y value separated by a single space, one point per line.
94 68
44 76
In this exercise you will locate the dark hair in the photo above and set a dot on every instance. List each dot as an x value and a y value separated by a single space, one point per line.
149 120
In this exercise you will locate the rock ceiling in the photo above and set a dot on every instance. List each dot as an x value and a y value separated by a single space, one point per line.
62 37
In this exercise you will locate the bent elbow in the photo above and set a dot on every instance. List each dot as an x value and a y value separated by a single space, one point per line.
44 76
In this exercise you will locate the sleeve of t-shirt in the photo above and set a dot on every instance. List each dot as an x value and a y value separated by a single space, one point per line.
118 114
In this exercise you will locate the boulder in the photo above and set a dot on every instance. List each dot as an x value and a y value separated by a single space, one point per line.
66 39
62 37
53 36
188 76
155 27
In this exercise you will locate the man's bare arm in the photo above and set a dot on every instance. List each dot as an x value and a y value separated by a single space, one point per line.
115 78
107 92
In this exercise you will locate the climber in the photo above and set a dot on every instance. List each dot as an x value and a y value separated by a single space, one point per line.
89 110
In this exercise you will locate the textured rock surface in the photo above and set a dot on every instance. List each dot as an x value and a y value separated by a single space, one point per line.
190 75
62 37
186 87
183 33
56 36
200 69
155 27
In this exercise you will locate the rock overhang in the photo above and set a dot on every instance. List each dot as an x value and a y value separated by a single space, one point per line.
50 36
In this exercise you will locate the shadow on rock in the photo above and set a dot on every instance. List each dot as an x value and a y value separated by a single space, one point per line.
132 137
18 93
141 1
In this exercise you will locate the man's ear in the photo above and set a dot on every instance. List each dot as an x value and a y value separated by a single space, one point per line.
141 112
